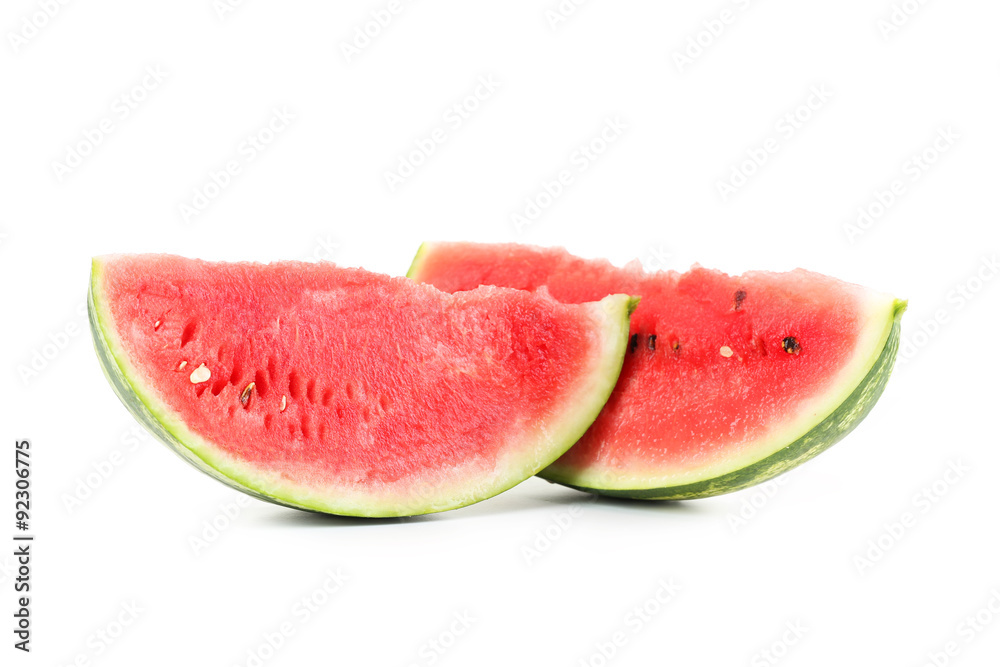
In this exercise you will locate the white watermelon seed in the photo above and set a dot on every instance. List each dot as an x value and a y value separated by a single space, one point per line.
283 403
200 374
182 365
726 351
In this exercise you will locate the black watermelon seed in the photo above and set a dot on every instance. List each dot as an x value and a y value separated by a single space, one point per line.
245 396
741 296
791 345
651 342
633 342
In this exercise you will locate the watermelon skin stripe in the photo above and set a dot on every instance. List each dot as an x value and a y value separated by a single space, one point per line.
821 437
575 420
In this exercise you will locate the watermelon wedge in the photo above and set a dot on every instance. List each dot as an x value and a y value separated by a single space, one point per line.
348 392
728 381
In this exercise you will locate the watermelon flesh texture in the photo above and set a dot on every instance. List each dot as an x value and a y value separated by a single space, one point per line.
728 381
348 392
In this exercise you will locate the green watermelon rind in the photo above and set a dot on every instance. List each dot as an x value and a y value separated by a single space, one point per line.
416 265
167 427
844 418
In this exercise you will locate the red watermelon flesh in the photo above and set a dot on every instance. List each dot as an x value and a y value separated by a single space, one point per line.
726 378
350 392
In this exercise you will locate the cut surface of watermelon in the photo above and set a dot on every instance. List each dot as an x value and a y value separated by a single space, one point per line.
343 391
728 381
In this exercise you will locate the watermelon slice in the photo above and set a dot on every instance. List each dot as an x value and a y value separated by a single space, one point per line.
343 391
729 380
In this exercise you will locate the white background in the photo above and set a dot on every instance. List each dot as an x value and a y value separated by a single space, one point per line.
319 190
